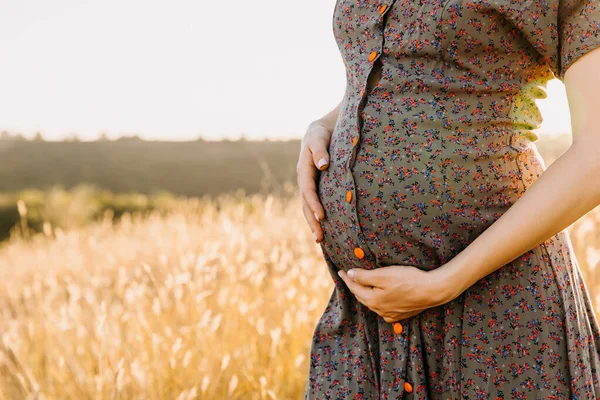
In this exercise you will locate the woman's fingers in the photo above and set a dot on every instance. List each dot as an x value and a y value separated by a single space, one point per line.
364 294
311 206
318 147
315 226
307 181
402 316
313 157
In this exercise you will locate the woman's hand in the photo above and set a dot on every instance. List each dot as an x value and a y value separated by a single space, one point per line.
398 292
313 157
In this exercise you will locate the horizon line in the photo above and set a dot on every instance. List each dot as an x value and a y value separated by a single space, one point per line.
7 136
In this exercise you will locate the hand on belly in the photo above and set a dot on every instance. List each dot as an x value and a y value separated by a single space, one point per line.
397 292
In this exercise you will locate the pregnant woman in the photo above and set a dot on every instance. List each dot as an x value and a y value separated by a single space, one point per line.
441 226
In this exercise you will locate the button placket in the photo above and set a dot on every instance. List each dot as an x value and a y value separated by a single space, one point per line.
375 53
371 58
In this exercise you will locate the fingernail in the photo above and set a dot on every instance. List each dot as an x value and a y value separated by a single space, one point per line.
340 273
321 162
351 273
316 217
315 236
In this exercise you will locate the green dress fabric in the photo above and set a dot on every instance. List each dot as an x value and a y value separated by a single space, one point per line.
434 142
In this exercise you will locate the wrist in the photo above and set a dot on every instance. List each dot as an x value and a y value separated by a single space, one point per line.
319 123
450 281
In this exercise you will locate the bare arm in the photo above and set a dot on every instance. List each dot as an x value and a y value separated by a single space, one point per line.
314 156
566 190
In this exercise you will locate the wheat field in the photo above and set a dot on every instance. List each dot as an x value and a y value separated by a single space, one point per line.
216 299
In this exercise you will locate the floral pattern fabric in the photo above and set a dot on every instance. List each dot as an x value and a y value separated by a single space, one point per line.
434 142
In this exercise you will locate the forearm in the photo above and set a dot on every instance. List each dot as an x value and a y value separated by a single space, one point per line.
566 190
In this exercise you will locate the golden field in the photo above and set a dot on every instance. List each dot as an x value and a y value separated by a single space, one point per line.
215 299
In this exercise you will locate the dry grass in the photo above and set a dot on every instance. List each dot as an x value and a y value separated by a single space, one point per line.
215 300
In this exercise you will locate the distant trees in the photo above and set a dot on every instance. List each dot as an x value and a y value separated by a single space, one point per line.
4 135
130 138
72 138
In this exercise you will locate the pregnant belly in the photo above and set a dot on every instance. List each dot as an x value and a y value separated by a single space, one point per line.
418 199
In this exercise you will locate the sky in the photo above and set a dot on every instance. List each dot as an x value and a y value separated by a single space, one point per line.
177 69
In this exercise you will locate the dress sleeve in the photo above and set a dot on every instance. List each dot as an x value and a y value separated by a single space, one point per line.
578 32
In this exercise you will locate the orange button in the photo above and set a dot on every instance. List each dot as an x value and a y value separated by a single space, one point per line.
382 9
358 252
372 55
349 196
398 327
355 140
407 387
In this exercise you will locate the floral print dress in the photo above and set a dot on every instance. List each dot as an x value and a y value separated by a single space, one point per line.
433 144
